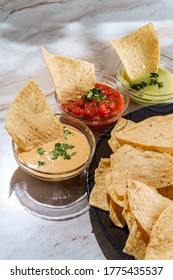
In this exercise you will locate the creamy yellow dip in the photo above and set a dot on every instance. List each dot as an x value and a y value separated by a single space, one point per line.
164 76
61 155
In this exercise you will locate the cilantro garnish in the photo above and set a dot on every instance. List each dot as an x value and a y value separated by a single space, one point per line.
41 163
94 93
61 150
41 151
153 80
67 132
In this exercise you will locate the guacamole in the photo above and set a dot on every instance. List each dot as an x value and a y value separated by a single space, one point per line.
151 88
162 83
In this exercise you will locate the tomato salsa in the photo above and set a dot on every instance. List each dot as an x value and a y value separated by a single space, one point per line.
100 102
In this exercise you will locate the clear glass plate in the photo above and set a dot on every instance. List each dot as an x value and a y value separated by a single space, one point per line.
51 200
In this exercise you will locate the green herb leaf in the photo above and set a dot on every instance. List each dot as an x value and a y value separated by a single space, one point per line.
160 84
154 75
41 163
139 86
41 151
61 150
153 80
94 93
67 132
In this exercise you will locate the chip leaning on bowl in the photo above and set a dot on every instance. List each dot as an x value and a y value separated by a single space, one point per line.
46 145
135 185
30 121
146 73
95 98
72 77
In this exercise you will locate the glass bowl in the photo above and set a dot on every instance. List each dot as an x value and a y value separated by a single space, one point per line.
112 82
61 176
144 98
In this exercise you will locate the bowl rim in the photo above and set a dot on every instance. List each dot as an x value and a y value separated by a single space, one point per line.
122 92
70 173
137 92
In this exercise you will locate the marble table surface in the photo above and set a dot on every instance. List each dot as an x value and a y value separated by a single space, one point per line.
79 29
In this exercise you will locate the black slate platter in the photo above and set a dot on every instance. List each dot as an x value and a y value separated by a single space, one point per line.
117 236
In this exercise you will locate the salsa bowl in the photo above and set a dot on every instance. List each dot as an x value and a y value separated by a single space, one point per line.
141 97
73 169
100 106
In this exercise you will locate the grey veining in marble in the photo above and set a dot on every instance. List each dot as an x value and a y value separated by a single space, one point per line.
79 29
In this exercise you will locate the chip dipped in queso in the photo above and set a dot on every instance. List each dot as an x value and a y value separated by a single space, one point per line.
46 145
68 152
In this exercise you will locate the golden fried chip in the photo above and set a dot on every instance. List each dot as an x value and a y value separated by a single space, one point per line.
111 189
127 214
160 246
72 77
114 144
151 168
30 121
139 51
137 242
138 239
99 197
115 214
121 124
146 204
154 134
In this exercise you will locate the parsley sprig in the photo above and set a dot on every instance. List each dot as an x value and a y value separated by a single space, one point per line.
40 151
41 163
94 93
61 150
67 132
153 80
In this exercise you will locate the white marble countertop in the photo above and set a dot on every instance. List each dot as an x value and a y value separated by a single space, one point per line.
79 29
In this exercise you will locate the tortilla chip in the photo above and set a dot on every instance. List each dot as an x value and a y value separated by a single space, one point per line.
99 197
111 189
151 168
160 246
145 204
139 51
120 125
30 121
115 214
154 134
138 239
72 77
137 242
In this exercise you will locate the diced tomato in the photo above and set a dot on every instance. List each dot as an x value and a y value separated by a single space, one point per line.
93 102
80 102
70 107
97 108
103 111
111 105
78 111
89 111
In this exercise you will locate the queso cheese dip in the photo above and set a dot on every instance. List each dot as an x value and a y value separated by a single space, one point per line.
61 155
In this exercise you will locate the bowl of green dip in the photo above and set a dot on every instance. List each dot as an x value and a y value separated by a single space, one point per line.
153 88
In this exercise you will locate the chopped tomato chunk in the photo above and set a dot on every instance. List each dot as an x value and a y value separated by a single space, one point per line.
105 103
